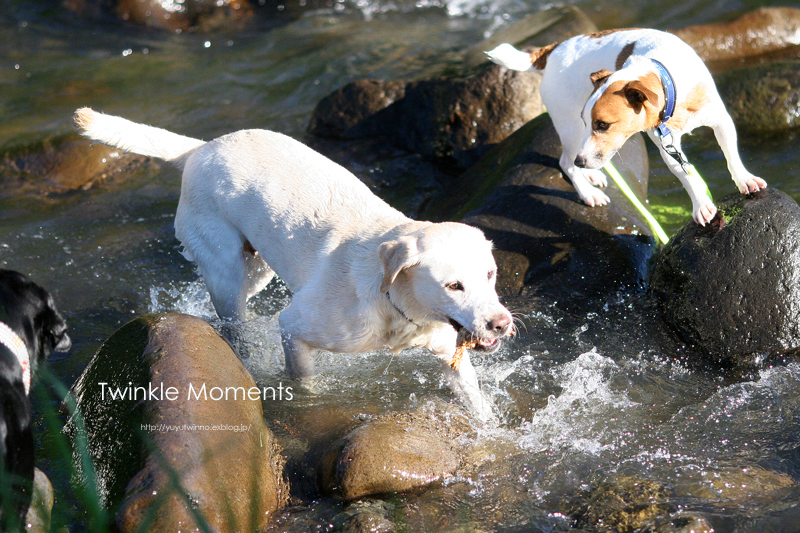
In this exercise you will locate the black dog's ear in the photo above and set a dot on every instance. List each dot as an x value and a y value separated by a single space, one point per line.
56 327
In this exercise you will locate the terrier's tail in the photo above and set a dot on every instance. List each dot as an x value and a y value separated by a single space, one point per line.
511 58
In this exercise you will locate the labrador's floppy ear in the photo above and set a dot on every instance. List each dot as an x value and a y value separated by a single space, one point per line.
396 256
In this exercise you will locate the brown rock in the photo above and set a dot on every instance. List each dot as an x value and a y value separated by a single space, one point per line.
351 111
393 453
40 512
623 504
754 33
165 464
204 15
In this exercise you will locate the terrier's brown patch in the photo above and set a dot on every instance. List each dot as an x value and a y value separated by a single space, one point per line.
697 98
624 54
539 56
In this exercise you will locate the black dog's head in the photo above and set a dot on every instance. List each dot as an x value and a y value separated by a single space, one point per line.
31 312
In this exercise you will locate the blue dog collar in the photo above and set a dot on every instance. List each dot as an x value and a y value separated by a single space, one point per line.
669 91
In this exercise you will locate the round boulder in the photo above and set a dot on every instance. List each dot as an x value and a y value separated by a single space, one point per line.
175 431
393 453
730 288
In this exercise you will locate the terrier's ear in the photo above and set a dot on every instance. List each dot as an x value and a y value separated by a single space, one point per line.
638 94
598 78
395 257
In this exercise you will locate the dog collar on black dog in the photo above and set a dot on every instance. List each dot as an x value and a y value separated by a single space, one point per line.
669 92
13 342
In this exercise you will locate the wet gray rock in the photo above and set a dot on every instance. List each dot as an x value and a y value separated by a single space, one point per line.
163 480
730 288
764 97
545 238
450 118
754 33
455 118
393 453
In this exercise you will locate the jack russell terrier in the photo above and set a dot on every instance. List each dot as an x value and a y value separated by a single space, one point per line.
603 87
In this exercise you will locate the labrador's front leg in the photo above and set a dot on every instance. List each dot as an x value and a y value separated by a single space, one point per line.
464 380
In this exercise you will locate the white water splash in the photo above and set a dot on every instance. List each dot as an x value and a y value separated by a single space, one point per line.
575 419
189 298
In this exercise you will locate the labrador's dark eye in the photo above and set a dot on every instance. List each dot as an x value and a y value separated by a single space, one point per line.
599 125
455 286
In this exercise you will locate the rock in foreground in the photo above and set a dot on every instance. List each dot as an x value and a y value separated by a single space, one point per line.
164 461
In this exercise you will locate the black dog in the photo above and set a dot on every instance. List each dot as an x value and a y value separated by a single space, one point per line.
30 327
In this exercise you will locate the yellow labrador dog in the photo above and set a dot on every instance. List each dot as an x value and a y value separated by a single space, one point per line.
363 276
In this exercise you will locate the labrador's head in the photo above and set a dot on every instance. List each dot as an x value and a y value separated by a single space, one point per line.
447 272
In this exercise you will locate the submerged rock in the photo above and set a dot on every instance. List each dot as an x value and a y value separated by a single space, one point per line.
623 504
60 164
545 238
40 512
763 97
165 461
730 288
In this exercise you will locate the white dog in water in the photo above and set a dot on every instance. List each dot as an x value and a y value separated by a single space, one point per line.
601 88
256 203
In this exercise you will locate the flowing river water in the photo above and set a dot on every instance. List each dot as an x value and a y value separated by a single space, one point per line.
582 394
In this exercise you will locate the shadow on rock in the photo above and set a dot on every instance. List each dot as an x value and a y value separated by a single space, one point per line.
546 239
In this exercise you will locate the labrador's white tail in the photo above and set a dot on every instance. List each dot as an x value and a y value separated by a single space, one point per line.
133 137
511 58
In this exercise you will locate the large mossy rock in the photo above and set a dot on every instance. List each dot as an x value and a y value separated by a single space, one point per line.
730 288
545 238
763 97
166 462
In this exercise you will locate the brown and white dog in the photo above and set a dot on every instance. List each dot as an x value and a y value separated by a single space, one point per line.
601 88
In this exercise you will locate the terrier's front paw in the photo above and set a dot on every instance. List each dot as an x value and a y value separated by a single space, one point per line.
704 212
594 197
752 184
596 177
